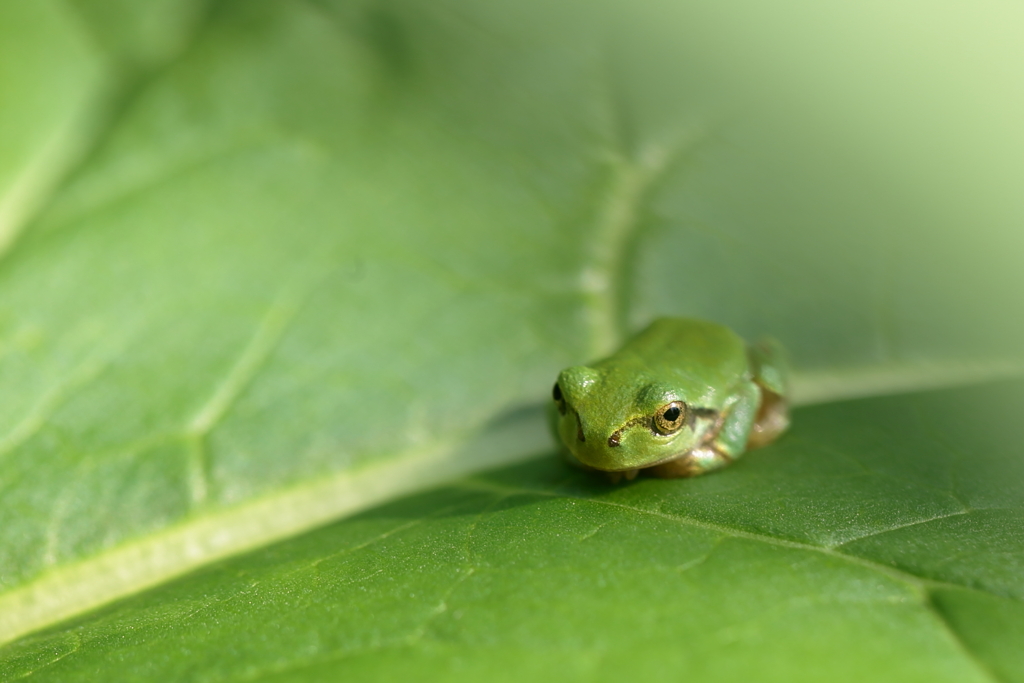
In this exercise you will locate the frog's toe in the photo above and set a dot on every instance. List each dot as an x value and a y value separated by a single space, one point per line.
672 470
698 461
627 475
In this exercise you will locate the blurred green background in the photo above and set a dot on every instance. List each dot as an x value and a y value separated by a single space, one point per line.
264 264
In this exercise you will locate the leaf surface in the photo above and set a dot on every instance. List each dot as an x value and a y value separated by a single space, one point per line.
264 264
845 551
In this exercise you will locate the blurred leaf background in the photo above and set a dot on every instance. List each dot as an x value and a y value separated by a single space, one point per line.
265 264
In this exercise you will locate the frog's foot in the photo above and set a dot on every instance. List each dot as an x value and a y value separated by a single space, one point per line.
627 475
698 461
772 419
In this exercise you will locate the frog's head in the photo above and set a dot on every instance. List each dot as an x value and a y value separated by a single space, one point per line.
614 421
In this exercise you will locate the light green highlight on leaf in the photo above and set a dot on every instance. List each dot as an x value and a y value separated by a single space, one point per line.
127 569
838 384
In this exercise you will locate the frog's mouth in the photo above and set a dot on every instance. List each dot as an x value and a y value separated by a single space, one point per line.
626 468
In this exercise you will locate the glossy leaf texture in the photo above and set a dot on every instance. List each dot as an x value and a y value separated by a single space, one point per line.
882 539
267 263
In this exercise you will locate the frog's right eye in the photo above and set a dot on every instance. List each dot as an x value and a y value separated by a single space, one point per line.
556 394
670 418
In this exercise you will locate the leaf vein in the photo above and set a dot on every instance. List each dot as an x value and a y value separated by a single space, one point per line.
48 403
246 368
904 576
617 222
917 522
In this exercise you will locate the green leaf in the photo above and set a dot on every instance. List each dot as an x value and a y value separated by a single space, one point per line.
844 552
264 264
49 79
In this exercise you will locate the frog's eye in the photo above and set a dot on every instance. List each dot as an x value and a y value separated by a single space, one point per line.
670 418
556 394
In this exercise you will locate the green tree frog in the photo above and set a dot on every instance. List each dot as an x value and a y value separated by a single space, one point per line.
682 398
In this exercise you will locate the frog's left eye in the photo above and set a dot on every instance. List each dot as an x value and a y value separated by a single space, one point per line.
556 394
670 418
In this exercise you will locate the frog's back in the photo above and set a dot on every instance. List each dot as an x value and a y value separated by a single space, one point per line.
700 356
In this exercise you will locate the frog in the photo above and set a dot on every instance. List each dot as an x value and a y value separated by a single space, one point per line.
681 398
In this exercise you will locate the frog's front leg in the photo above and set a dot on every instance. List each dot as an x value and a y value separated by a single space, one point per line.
726 441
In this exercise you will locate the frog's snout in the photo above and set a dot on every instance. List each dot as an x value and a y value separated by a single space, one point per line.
577 436
589 447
